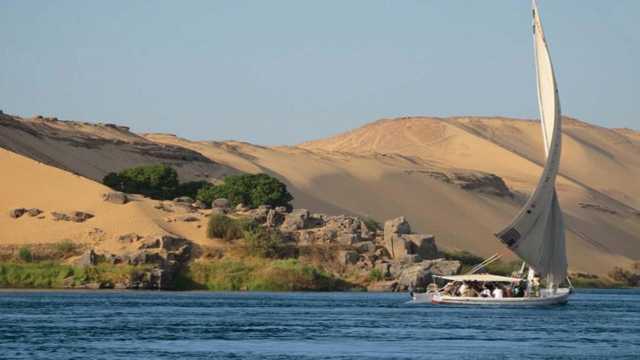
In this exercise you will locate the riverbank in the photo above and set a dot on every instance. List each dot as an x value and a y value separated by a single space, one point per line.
229 274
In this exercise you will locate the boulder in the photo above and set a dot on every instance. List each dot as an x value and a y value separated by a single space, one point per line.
16 213
220 203
274 218
296 220
115 197
399 226
383 286
200 205
411 259
421 274
398 246
183 207
347 239
184 199
423 245
393 229
365 247
33 212
347 257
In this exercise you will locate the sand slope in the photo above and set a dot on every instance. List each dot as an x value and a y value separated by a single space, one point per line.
29 184
388 168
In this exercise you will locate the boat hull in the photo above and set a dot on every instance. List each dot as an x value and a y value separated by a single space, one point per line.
547 298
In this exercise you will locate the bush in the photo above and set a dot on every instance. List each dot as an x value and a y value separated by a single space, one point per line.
155 181
223 227
24 254
375 275
249 189
262 242
191 188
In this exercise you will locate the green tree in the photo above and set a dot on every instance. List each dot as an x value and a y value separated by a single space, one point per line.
154 181
249 189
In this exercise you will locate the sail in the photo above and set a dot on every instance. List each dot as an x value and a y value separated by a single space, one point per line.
536 234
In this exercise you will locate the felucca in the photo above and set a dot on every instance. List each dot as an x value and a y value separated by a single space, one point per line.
536 234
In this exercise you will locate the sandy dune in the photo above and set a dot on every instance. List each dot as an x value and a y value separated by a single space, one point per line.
29 184
416 167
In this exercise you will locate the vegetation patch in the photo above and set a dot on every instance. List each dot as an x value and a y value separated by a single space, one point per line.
224 227
54 275
249 189
257 274
158 182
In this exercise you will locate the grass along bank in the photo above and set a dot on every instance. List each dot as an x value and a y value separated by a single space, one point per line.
258 274
55 275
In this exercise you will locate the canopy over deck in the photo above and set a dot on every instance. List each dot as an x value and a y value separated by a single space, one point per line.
480 277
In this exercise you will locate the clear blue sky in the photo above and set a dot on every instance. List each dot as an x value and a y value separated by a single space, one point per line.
281 72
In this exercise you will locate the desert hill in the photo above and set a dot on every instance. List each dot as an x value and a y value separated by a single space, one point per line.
93 150
458 178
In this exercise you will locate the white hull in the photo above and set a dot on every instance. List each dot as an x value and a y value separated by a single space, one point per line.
547 298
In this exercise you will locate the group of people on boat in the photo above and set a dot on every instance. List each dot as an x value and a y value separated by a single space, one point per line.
496 290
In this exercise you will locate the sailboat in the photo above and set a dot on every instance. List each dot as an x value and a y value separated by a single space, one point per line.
536 234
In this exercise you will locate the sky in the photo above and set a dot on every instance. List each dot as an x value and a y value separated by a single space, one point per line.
284 72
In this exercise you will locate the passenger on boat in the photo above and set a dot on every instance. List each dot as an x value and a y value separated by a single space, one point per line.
462 289
485 292
449 288
497 293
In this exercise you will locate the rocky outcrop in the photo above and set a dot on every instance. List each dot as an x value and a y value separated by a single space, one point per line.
421 274
348 257
471 181
17 213
298 219
74 216
402 244
166 255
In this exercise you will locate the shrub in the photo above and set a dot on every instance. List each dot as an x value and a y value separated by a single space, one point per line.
262 242
223 227
154 181
208 193
249 189
191 188
24 254
375 275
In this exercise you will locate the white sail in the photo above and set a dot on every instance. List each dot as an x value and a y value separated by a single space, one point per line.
536 234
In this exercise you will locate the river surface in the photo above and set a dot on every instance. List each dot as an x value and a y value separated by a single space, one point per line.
596 324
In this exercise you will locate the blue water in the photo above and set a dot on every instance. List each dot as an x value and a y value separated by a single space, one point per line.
596 324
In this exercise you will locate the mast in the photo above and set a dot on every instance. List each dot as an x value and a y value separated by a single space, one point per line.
536 234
